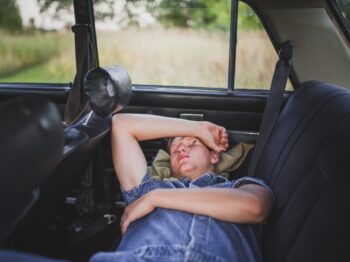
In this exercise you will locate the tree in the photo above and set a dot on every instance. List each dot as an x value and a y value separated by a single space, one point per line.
62 5
344 6
208 14
189 13
10 17
247 19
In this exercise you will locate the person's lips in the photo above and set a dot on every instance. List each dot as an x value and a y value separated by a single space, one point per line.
181 157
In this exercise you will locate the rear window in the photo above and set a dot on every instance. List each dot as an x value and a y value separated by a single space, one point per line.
344 6
344 9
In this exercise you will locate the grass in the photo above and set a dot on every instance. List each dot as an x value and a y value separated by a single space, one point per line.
37 57
168 56
152 56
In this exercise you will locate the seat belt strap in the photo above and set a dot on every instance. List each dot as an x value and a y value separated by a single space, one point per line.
77 102
274 102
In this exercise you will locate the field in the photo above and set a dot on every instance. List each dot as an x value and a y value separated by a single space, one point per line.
152 56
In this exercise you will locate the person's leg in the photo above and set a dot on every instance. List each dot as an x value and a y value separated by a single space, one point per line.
115 256
12 255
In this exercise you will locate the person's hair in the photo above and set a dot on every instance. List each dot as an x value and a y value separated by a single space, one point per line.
168 142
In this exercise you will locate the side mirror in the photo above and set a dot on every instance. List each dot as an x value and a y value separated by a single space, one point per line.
108 89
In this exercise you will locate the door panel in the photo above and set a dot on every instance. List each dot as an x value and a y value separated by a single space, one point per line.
57 93
239 112
235 111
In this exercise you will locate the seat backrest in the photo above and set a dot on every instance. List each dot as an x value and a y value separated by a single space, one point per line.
108 89
81 141
31 144
307 163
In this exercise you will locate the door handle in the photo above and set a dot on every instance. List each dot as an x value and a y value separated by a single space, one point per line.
190 116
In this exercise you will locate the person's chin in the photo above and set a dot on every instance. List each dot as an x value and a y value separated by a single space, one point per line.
190 173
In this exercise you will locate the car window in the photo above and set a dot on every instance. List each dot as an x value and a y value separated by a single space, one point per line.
344 8
255 55
33 46
179 43
186 43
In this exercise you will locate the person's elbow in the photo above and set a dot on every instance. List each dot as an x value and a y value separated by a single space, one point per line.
259 208
119 123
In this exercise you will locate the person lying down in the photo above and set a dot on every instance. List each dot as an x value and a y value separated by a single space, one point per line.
200 216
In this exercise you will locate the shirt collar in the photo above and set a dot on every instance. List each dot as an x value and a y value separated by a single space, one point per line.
207 179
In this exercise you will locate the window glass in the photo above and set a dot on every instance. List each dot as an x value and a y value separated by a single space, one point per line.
34 47
255 55
167 42
344 7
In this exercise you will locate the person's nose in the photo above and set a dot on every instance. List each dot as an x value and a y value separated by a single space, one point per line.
182 148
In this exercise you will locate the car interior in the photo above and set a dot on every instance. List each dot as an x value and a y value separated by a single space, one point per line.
60 196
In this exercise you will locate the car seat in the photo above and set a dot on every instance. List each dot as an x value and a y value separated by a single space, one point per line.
306 161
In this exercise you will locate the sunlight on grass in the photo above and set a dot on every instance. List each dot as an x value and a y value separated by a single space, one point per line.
178 57
168 57
37 57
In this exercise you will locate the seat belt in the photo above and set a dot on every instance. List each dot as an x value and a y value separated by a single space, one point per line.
274 102
77 103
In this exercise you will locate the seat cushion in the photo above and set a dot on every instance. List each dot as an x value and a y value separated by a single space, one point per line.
306 162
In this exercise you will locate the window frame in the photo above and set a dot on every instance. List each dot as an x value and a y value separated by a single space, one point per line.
337 13
82 19
273 38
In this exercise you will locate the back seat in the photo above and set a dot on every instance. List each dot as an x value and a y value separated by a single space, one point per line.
307 164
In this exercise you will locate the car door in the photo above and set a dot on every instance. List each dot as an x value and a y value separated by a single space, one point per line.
204 75
200 62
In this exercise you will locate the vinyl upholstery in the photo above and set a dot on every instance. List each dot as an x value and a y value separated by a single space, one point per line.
307 163
31 145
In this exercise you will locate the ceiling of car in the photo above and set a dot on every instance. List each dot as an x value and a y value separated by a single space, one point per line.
322 51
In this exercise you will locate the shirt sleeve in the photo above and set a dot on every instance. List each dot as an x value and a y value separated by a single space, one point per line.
147 185
252 180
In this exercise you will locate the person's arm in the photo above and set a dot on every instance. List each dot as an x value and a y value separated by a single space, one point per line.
128 129
249 203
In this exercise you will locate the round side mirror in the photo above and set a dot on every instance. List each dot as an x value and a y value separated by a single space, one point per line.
108 89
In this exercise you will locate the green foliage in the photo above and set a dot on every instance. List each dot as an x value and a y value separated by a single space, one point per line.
62 5
207 14
247 18
18 52
344 6
10 17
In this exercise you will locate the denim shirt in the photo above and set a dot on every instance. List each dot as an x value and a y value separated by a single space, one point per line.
172 235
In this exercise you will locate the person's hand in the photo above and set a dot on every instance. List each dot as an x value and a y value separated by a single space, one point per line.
214 136
138 209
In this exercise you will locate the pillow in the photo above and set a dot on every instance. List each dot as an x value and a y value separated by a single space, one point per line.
229 161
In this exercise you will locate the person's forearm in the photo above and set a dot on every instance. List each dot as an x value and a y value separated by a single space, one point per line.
148 127
231 205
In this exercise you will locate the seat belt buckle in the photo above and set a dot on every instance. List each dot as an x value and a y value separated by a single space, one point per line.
286 51
110 218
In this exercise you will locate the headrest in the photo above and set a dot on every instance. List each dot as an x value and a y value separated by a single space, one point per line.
31 144
108 89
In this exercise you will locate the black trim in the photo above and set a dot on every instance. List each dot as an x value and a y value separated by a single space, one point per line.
93 35
202 91
56 92
37 86
240 101
232 50
339 18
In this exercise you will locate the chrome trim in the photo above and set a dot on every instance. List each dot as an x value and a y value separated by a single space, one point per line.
250 133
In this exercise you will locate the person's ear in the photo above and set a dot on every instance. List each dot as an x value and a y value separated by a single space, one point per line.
214 157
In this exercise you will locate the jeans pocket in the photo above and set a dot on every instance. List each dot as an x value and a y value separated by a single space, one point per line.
169 253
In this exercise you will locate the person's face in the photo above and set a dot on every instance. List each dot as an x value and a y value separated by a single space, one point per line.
189 157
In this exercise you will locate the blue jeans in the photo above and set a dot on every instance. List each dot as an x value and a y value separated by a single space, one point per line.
171 235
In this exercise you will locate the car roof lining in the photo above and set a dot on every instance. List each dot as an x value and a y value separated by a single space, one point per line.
325 52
